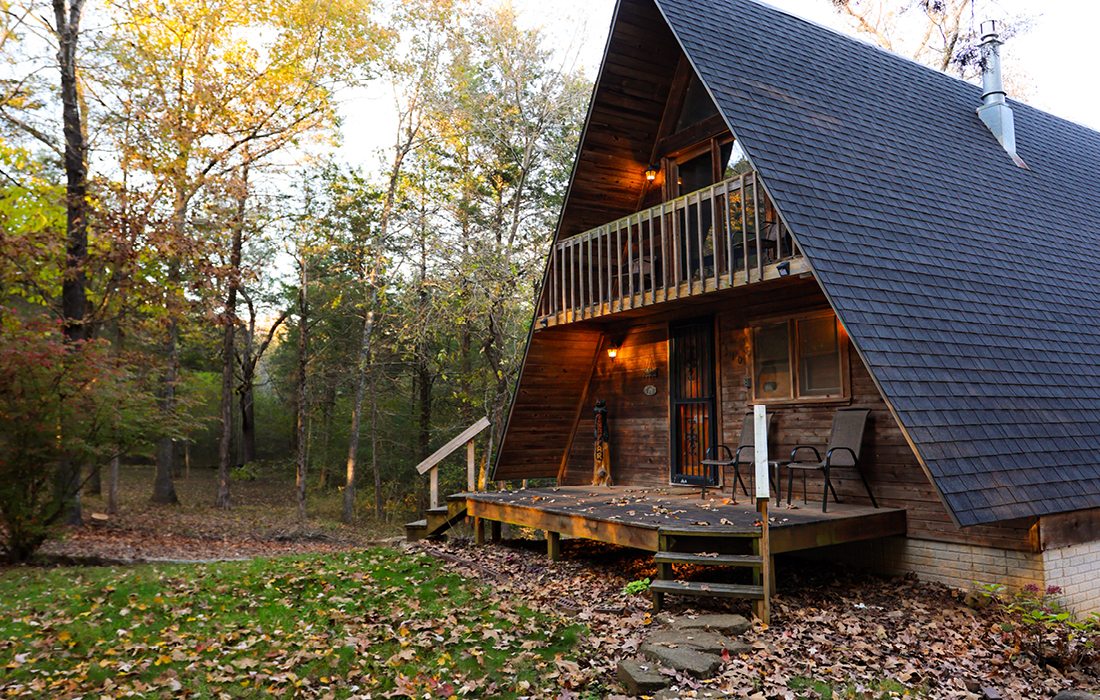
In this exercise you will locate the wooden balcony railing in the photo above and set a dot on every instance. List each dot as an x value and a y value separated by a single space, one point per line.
670 251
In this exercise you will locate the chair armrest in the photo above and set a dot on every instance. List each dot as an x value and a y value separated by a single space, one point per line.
714 449
849 450
794 452
737 455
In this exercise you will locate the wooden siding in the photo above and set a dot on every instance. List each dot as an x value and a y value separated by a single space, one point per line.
640 427
639 423
623 125
554 376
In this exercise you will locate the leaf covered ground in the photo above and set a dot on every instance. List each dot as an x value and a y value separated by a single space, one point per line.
262 522
836 633
378 623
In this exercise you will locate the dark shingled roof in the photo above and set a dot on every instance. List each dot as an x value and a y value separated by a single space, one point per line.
971 287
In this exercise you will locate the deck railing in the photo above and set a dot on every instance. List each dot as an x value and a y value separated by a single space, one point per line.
668 251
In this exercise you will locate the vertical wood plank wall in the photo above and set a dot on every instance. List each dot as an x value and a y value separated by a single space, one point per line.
640 424
557 366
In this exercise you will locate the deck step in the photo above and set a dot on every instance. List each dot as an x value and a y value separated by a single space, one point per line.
416 530
708 590
441 510
749 560
708 532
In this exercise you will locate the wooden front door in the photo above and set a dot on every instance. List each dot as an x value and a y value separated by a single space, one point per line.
691 391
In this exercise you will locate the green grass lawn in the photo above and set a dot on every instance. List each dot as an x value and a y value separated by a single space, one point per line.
325 626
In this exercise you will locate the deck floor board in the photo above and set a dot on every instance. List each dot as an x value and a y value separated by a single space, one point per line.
633 515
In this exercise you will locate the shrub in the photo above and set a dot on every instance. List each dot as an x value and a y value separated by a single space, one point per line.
1039 624
74 403
635 587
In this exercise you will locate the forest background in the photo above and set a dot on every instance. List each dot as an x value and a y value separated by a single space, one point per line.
294 237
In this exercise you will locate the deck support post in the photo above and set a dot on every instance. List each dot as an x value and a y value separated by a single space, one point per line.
763 547
479 531
494 531
553 545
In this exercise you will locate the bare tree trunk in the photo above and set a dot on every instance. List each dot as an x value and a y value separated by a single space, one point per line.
164 490
112 486
247 448
248 422
73 292
327 407
376 467
303 389
249 359
228 345
357 408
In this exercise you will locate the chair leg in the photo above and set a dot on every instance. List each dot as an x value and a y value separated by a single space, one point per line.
737 479
790 484
825 495
836 498
867 486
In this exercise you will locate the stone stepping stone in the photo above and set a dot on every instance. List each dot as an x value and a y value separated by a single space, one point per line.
725 624
684 659
641 678
1075 695
702 640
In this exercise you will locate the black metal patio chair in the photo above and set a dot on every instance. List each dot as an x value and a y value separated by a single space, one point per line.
843 450
721 456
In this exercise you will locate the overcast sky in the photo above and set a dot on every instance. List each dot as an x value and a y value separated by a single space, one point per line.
1058 53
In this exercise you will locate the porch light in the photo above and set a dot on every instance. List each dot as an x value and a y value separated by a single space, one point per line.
651 173
784 268
613 350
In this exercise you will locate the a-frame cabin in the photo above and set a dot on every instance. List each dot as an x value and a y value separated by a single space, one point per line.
763 211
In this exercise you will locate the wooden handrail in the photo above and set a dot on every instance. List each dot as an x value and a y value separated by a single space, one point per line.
723 235
431 464
444 452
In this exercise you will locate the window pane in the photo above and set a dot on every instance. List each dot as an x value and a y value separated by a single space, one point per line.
695 174
819 371
771 361
697 105
734 161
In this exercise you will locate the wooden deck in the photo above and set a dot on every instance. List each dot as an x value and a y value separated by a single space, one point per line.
636 516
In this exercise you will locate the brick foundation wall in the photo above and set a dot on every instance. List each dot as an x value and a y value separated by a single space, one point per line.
956 565
1077 570
962 566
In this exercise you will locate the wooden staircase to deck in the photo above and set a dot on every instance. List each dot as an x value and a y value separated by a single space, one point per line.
440 518
697 547
436 521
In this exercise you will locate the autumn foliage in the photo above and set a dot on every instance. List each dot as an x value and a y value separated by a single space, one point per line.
58 401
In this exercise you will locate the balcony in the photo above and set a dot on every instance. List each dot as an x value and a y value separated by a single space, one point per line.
669 252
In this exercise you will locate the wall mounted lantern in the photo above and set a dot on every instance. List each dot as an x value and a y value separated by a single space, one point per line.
651 173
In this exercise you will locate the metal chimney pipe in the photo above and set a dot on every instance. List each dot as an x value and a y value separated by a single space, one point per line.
992 84
995 112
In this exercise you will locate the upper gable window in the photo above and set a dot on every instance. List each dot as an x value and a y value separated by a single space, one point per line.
697 105
798 359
